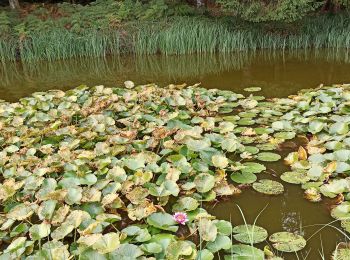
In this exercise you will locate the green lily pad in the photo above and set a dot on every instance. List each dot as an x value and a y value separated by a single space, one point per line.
177 249
253 167
295 177
268 157
287 242
316 126
241 251
221 242
341 211
152 248
342 252
345 224
207 229
224 227
106 243
252 89
219 161
198 145
251 149
339 128
244 177
39 231
249 234
269 187
335 187
126 252
285 135
185 204
204 182
62 231
205 254
163 221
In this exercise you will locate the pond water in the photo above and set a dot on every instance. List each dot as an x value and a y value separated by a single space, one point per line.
279 75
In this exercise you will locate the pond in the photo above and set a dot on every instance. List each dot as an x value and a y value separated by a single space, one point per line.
278 74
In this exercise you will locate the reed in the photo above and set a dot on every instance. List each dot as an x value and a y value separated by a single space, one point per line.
181 35
189 35
62 44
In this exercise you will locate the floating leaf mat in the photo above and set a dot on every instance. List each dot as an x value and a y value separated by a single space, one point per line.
99 173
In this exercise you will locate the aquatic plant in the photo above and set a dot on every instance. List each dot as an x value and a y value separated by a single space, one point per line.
115 171
180 217
98 166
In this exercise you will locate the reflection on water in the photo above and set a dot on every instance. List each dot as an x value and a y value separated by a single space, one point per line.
279 74
292 222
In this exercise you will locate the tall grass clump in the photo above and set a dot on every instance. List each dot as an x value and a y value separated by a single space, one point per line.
179 35
62 44
8 49
192 35
189 35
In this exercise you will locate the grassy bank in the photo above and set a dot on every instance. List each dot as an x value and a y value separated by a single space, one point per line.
176 35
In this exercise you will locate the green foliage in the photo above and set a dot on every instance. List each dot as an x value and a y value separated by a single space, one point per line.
163 26
4 23
100 15
258 11
277 10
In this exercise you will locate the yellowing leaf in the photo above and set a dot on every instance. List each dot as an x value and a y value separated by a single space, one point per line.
302 154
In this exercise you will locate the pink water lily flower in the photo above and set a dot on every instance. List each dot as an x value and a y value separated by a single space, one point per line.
180 217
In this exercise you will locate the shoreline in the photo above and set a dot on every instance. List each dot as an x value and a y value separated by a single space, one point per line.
178 35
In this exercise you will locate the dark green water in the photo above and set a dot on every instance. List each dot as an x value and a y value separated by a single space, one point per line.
279 75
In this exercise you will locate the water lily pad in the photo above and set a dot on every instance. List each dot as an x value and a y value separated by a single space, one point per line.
71 160
285 135
341 211
252 89
185 204
134 164
253 167
335 187
207 229
126 252
62 231
106 243
219 161
163 221
221 242
205 254
342 252
204 182
287 242
241 251
224 227
249 234
39 231
339 128
268 157
246 121
345 224
176 249
244 177
316 126
295 177
269 187
152 248
198 145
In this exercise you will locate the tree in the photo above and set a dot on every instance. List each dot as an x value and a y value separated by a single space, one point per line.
279 10
270 10
14 4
